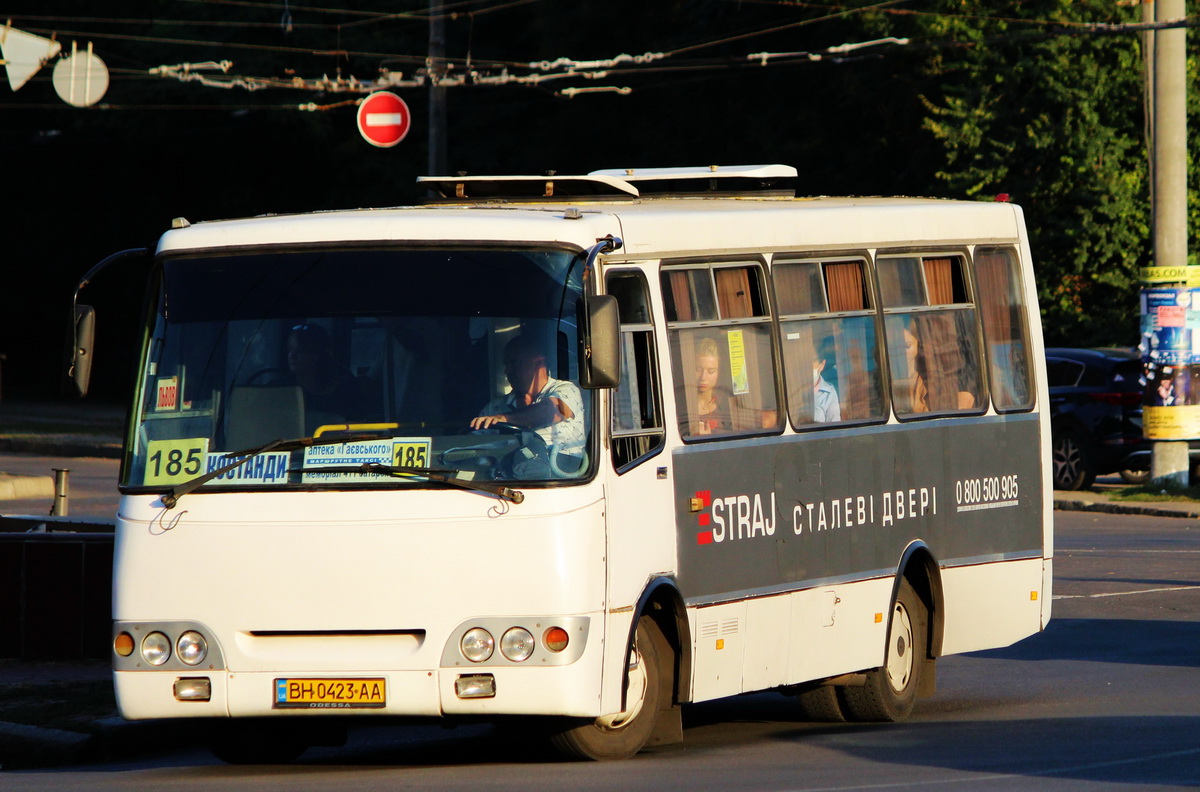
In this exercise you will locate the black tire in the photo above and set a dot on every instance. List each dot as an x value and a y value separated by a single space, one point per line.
1073 468
891 690
820 704
1135 477
621 735
245 743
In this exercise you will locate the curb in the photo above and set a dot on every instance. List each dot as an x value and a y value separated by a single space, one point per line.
1108 507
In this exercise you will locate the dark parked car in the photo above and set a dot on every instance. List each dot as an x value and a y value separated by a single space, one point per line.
1096 416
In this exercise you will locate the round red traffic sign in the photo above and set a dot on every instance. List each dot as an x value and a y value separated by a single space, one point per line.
383 119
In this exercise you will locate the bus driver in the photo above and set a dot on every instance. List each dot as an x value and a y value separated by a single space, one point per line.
552 408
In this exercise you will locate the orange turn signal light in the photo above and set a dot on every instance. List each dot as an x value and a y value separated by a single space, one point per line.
123 644
556 639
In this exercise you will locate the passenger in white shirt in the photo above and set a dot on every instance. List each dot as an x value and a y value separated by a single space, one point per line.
550 407
826 406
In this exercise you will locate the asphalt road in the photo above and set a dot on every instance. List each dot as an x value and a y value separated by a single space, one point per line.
1108 697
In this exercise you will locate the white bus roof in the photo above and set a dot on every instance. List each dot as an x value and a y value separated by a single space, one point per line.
746 220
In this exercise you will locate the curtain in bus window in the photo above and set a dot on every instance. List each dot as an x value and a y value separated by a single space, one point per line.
734 294
939 281
627 397
845 283
1004 327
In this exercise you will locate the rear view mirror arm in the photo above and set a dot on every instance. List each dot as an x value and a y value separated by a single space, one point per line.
83 323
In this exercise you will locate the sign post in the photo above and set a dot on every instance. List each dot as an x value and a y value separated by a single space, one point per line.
1169 314
383 119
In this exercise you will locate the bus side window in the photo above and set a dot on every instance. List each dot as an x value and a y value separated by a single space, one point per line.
1002 307
637 420
830 347
723 359
932 340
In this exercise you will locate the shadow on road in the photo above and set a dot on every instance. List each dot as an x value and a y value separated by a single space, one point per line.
1136 641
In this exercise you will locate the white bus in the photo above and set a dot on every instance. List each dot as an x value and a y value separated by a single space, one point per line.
587 448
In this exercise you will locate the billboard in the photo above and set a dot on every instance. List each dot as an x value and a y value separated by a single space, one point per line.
1171 362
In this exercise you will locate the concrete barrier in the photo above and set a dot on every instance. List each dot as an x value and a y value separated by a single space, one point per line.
15 487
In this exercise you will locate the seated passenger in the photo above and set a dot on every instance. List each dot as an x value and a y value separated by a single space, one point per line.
552 408
919 397
826 406
708 410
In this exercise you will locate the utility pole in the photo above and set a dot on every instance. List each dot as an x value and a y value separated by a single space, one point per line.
1169 460
435 66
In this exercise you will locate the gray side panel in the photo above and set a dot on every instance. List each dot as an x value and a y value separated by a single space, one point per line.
786 512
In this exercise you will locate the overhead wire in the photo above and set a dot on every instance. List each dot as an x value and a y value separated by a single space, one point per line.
463 72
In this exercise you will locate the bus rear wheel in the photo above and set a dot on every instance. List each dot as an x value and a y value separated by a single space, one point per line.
820 704
891 690
623 734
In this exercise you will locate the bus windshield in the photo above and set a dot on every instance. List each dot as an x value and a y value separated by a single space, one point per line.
460 362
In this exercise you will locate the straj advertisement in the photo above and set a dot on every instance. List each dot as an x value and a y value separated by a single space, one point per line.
1171 360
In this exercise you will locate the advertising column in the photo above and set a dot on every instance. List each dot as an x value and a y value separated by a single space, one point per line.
1171 356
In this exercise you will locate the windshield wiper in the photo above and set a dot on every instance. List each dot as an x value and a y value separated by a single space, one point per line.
432 474
172 496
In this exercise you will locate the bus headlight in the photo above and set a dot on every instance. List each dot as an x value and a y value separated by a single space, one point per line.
191 648
517 644
156 648
477 645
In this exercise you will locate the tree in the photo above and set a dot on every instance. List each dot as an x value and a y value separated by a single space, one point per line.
1035 106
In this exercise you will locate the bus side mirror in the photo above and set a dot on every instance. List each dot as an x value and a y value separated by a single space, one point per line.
81 353
83 324
602 359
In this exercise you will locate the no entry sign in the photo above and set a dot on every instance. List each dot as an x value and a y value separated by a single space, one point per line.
383 119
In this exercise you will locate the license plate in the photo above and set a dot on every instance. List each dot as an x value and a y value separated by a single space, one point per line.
330 693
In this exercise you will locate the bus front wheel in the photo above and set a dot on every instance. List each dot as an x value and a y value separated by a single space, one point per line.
891 690
623 734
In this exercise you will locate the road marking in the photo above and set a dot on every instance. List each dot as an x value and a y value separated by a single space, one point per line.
1123 593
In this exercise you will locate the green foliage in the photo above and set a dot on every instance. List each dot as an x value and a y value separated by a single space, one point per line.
1029 106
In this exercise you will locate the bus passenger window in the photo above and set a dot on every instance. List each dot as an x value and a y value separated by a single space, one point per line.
930 324
1003 310
637 421
723 370
830 348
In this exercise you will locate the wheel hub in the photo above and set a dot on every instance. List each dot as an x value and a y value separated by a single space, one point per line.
635 695
900 656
